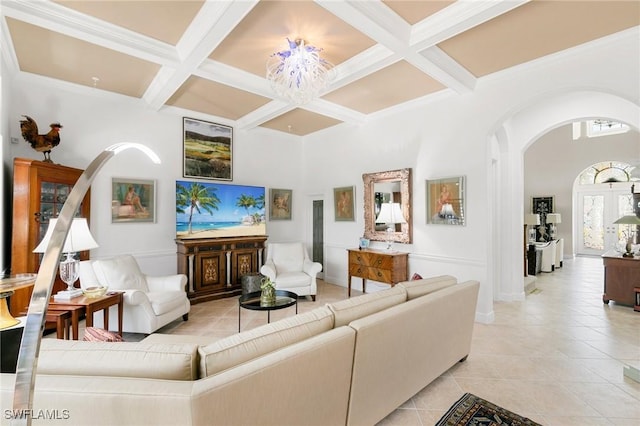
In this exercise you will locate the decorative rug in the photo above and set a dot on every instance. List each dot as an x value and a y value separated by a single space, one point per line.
471 410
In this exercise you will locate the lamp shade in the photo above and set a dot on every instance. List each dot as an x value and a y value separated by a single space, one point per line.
390 213
629 219
554 218
532 219
78 239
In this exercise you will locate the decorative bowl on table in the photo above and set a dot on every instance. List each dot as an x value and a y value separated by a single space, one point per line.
94 291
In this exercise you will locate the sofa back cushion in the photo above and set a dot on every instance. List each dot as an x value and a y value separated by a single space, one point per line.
118 359
242 347
351 309
120 273
424 286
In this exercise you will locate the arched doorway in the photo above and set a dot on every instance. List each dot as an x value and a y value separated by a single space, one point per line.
507 144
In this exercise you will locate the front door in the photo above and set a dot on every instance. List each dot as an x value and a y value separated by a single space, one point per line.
598 207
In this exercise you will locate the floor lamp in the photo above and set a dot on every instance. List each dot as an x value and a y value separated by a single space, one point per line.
530 219
32 335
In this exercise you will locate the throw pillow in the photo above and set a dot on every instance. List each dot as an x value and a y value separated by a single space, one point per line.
92 334
416 276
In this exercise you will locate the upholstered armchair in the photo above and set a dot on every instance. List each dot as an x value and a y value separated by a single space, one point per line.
290 268
150 302
548 252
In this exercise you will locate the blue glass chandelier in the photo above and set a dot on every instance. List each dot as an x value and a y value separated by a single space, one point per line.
299 74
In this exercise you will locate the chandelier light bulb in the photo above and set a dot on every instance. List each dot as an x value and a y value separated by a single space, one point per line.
299 74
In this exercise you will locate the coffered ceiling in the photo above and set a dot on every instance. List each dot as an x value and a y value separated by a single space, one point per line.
210 56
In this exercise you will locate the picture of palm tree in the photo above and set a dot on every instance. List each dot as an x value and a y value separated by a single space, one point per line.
206 210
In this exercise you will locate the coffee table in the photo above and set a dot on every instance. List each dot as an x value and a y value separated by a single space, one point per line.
284 299
89 305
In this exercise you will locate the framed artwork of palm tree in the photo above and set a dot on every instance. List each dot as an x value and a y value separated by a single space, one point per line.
213 210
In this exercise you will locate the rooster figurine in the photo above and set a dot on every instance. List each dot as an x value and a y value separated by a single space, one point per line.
41 143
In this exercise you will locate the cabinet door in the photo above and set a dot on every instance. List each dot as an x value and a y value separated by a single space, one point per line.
210 271
244 261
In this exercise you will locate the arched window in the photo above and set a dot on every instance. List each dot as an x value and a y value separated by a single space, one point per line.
606 172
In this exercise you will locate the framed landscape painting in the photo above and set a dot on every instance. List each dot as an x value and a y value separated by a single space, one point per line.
208 150
280 204
133 200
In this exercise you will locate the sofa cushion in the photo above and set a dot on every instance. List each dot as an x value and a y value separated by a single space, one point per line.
165 301
122 359
287 280
240 348
351 309
424 286
120 273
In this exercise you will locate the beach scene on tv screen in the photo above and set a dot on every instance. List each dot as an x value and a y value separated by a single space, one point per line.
214 210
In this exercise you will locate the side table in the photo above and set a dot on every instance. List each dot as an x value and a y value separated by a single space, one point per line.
89 305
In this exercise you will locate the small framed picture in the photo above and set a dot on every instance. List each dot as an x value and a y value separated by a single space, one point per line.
446 201
344 203
133 200
208 150
280 204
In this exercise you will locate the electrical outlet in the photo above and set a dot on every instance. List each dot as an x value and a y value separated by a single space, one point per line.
15 141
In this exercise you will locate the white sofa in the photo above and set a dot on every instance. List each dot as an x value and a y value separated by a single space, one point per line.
289 266
347 363
150 302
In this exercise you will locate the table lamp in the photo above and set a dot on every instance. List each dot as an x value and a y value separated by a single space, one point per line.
553 219
629 219
78 239
391 214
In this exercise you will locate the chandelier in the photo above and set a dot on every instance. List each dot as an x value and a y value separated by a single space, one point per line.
298 74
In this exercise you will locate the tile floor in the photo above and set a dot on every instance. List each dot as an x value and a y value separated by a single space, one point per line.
556 357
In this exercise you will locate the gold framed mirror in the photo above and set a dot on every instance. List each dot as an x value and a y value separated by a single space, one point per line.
390 186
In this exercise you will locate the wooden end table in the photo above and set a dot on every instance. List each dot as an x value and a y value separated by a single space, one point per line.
89 305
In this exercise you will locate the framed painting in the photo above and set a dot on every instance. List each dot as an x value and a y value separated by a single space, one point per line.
542 206
133 200
280 205
208 150
344 203
446 201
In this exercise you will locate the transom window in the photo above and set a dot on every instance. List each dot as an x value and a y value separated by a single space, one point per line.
606 172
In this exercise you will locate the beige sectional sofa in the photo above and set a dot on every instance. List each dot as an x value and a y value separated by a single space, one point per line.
347 363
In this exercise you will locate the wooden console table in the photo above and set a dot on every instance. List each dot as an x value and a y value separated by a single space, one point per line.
621 275
390 267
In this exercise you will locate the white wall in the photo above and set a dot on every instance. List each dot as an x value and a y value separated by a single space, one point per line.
553 163
93 121
481 135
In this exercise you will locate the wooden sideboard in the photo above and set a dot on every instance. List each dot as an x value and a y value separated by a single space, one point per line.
621 275
390 267
214 266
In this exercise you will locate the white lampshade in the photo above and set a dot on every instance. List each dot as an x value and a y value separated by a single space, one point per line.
390 213
532 219
554 218
78 239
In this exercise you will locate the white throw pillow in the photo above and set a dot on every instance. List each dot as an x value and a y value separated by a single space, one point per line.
121 273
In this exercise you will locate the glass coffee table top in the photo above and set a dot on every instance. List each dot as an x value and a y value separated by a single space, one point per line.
284 299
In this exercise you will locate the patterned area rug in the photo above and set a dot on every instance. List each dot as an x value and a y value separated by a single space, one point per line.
471 410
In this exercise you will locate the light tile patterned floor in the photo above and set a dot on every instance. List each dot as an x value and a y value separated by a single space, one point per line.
556 357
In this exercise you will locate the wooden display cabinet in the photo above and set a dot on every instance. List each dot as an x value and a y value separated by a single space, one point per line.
214 266
39 192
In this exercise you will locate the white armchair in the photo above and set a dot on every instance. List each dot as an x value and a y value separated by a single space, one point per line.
150 302
548 251
559 252
288 265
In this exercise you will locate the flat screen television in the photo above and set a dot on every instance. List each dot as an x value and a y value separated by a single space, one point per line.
214 210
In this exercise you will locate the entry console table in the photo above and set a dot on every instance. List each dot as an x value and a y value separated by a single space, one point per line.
621 276
390 267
